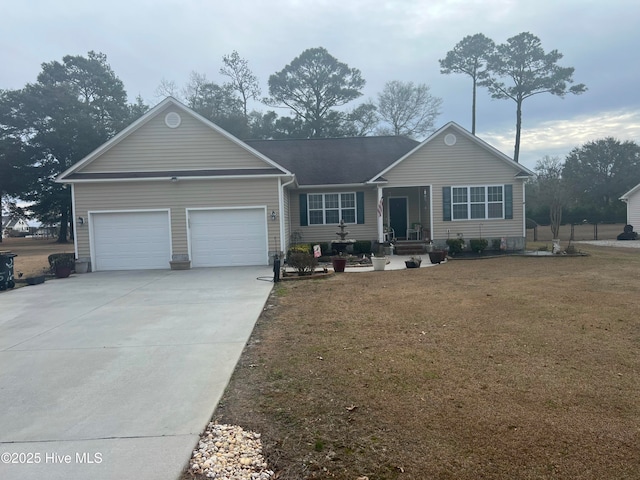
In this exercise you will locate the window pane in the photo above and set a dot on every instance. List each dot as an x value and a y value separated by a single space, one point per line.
348 200
315 202
459 195
477 210
460 212
495 210
495 194
331 200
349 215
333 216
315 217
477 194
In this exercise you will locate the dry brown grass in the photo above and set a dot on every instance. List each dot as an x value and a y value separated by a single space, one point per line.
509 368
33 253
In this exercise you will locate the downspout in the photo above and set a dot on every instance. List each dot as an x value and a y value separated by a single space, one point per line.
380 217
281 209
73 213
524 211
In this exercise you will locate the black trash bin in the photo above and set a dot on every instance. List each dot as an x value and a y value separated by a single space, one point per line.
6 270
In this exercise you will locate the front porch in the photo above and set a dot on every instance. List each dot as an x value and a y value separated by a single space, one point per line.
406 217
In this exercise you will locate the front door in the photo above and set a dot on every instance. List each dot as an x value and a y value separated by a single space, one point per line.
398 216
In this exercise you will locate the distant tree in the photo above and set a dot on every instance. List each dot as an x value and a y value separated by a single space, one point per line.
362 120
217 103
598 173
312 85
11 158
242 78
469 56
137 109
550 190
168 88
410 109
530 71
74 107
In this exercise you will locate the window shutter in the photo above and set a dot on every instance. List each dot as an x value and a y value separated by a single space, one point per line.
446 204
508 202
360 207
303 210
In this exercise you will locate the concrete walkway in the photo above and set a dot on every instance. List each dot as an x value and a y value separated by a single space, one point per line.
396 262
113 375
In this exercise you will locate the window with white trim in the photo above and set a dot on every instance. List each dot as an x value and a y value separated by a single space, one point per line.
330 208
478 202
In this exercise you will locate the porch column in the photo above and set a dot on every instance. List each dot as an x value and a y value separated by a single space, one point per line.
380 205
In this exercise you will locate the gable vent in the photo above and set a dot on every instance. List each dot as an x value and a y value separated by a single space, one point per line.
173 120
450 139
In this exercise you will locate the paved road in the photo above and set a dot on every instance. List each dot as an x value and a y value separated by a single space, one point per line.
113 375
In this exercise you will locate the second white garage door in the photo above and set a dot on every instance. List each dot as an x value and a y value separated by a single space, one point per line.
230 237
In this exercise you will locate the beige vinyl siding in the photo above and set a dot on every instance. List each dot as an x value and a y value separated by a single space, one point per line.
463 164
325 233
191 146
152 195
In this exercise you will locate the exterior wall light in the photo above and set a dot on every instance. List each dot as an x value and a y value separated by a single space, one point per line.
80 220
273 215
174 179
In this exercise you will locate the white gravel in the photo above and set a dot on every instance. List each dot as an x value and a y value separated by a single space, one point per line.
227 452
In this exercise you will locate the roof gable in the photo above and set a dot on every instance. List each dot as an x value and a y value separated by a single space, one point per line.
631 193
519 170
335 161
150 144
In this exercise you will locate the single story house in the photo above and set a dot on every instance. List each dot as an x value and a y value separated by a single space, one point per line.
632 199
173 186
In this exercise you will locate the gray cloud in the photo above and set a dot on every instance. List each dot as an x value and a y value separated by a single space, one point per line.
388 40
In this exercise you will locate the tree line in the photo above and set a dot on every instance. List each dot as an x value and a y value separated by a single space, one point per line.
77 104
586 186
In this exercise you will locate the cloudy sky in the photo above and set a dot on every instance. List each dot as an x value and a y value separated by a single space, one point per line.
148 40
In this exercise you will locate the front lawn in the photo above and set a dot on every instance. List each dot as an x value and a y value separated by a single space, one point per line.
505 368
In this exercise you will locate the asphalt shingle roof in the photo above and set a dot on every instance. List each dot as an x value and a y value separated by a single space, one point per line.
335 161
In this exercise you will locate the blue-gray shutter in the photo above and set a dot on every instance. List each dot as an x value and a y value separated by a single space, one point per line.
360 207
303 210
446 204
508 202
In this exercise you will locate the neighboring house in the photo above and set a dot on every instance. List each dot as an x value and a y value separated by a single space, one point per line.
632 199
174 186
14 227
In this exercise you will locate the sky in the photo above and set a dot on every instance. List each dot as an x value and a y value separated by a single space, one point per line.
147 41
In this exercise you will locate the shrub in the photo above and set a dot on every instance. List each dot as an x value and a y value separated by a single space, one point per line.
61 260
362 246
478 244
495 244
304 263
300 248
456 245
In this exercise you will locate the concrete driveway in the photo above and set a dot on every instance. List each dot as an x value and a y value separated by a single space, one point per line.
113 375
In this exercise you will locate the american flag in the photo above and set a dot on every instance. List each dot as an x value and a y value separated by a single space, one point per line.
380 205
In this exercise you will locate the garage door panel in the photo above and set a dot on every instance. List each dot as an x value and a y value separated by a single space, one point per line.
231 237
131 240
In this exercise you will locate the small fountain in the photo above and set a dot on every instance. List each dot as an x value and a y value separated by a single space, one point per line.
340 246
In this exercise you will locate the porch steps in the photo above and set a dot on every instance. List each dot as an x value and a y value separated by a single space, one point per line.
408 247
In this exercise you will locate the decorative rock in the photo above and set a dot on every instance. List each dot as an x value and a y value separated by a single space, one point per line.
227 452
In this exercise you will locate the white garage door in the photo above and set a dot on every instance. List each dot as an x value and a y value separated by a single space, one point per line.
131 240
222 238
